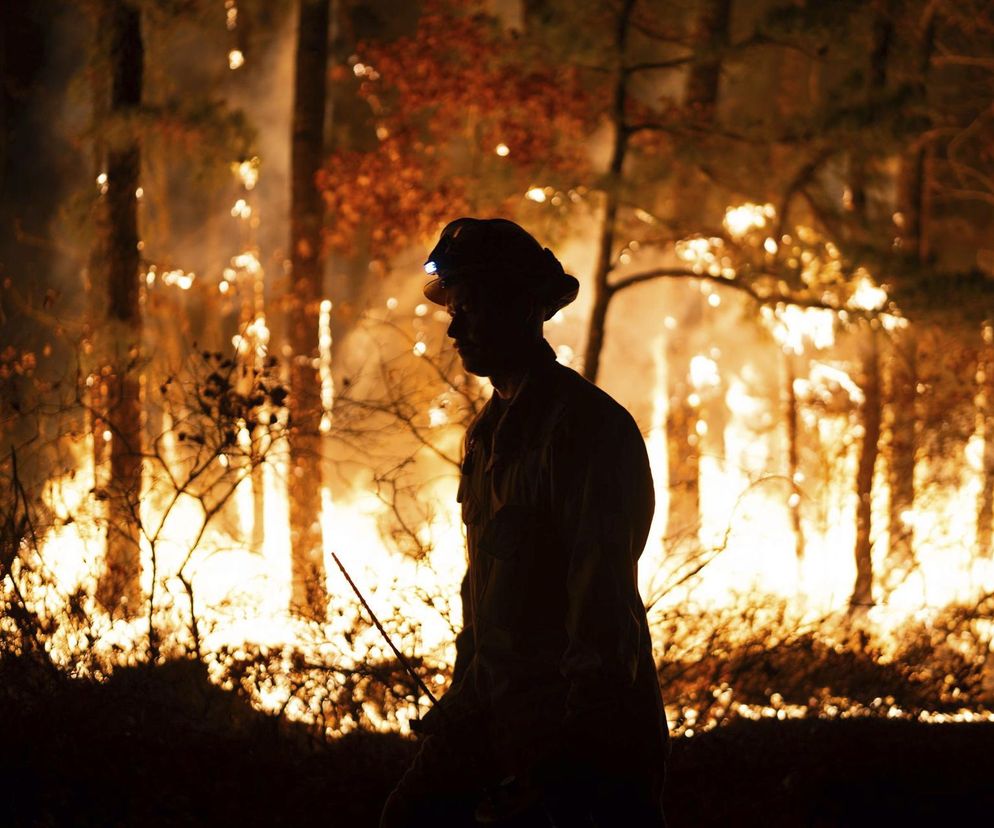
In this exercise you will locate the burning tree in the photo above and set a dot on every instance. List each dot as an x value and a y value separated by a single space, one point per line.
304 301
114 274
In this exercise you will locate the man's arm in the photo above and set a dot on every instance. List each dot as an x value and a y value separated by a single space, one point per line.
465 639
459 702
606 504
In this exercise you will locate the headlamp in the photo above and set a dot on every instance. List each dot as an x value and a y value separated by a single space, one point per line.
431 268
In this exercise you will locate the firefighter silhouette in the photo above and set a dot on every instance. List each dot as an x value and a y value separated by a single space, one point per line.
554 715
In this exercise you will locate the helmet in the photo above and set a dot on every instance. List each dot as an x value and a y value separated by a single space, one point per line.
499 253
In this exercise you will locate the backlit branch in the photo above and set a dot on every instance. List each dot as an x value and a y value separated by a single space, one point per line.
736 284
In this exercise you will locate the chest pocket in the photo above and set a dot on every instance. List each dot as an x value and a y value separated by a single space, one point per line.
507 550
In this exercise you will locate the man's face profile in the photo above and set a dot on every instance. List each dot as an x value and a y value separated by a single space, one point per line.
489 328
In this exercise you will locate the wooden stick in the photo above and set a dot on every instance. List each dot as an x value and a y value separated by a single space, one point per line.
400 656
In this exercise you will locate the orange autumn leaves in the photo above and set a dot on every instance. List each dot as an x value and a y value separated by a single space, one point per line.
441 101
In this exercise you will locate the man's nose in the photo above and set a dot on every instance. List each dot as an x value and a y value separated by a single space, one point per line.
456 326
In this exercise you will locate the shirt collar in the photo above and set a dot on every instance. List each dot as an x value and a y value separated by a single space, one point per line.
523 415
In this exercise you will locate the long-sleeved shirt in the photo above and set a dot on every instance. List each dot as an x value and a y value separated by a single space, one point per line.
557 499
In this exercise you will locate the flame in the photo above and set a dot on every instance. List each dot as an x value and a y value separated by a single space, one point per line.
247 172
241 209
745 541
247 261
179 278
867 296
254 338
744 218
704 372
324 350
242 594
794 328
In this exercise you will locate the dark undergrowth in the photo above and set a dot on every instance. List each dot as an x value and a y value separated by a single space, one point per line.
164 746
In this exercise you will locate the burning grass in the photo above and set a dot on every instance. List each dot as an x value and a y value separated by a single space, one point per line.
744 662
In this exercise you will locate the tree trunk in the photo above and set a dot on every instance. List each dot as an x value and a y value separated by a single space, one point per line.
116 264
912 187
95 281
902 450
913 179
882 35
704 77
985 405
862 595
309 596
252 309
683 441
605 249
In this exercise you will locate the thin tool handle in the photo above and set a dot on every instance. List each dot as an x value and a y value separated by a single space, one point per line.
400 656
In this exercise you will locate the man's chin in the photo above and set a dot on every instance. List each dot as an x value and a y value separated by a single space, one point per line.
474 365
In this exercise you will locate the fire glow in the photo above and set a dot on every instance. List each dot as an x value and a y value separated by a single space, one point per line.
746 536
236 596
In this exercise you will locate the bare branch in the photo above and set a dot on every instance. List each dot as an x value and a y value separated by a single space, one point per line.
747 288
963 60
652 274
804 175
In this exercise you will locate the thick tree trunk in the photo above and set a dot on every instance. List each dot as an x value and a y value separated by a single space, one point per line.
306 220
862 595
683 441
605 249
119 343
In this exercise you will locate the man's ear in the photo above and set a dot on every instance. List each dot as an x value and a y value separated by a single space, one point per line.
536 317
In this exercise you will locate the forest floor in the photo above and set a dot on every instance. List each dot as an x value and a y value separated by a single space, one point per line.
166 747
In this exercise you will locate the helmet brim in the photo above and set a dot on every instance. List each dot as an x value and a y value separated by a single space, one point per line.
435 291
561 291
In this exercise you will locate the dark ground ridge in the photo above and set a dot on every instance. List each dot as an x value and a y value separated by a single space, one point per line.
164 746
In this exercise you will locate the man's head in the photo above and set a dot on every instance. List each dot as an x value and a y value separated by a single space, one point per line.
499 284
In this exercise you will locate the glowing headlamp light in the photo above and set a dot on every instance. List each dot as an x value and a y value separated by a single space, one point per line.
431 268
